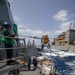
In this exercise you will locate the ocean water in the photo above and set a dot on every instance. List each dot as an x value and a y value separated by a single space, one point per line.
64 61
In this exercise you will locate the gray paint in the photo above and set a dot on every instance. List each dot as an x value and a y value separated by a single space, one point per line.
5 12
64 48
5 15
67 33
32 52
72 36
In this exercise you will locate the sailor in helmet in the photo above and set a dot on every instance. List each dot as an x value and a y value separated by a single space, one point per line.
8 42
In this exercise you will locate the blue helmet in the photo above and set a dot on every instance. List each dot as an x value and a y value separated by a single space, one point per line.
7 24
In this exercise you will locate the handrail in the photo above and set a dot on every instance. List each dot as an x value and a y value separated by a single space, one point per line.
23 38
10 59
11 37
8 68
11 48
15 47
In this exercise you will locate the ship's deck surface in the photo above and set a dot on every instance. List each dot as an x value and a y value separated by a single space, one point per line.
25 71
31 72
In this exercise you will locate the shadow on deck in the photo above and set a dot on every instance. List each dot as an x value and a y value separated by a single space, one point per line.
25 71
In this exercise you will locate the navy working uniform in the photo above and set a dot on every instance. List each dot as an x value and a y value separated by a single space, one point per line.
8 42
29 62
35 63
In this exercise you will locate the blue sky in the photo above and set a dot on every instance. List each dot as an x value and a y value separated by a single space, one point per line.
38 17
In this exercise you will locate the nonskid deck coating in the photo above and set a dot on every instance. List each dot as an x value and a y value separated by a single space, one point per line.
36 72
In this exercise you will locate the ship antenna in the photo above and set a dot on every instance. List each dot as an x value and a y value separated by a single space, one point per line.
70 26
73 25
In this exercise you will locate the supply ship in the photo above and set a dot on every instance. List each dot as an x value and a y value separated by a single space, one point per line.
65 41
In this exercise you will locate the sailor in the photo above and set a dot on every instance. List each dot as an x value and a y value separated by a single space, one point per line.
8 42
35 62
46 39
29 44
42 41
29 62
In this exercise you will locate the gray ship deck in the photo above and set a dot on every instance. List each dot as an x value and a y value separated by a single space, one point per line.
31 72
8 68
25 71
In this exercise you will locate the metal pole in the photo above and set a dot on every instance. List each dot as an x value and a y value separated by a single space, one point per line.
17 48
24 45
50 48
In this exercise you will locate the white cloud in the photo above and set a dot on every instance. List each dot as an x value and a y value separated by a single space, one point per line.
37 33
65 25
17 19
20 26
28 30
57 32
24 30
31 32
62 15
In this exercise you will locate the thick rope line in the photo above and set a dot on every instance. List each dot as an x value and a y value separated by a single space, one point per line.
62 53
58 53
